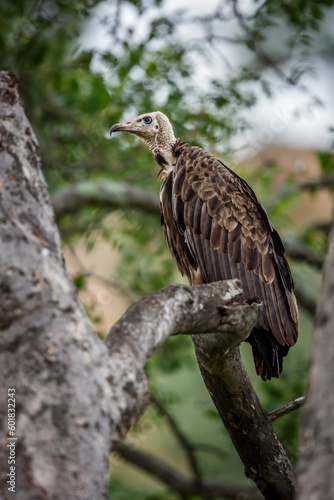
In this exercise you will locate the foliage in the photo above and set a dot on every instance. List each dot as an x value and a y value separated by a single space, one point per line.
156 59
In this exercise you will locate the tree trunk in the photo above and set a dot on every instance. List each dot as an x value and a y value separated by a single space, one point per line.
51 362
316 461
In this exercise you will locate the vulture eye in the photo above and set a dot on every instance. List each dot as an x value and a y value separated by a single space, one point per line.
147 120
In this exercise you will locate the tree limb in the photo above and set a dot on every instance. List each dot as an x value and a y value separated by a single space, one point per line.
327 181
246 421
187 446
180 483
299 251
104 192
115 194
286 409
188 310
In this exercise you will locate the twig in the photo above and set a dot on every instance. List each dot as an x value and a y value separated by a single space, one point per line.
180 483
288 408
255 46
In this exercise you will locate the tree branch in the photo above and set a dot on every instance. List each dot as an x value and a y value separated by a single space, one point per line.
104 192
255 46
299 251
188 310
180 483
286 409
187 446
246 421
107 193
326 181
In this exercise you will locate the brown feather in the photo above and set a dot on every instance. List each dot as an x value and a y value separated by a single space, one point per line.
215 235
217 229
213 204
206 222
196 225
179 180
267 270
224 236
187 193
236 251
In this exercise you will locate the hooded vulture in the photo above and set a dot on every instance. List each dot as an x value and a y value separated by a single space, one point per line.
216 229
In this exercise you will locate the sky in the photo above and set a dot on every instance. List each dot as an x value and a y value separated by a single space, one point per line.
289 118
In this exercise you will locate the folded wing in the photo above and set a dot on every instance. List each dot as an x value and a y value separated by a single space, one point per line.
217 229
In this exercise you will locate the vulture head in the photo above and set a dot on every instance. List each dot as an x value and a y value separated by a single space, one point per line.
154 129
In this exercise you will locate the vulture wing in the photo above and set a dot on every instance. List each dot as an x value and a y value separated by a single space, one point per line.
217 229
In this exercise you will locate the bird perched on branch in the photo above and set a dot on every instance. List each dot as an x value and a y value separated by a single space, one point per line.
217 229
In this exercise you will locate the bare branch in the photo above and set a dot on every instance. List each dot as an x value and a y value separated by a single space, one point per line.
286 409
180 483
104 192
326 181
187 446
246 421
209 448
253 43
188 310
299 251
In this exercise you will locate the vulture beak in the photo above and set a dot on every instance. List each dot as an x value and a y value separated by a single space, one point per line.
124 127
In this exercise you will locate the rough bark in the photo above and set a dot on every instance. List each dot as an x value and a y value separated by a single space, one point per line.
316 461
49 354
246 421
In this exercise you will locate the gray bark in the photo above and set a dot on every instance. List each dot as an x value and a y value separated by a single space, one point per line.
76 397
49 354
316 461
184 309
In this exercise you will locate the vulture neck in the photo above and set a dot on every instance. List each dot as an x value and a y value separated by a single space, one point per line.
162 147
165 158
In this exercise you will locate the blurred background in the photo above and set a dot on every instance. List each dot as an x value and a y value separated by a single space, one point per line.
252 82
